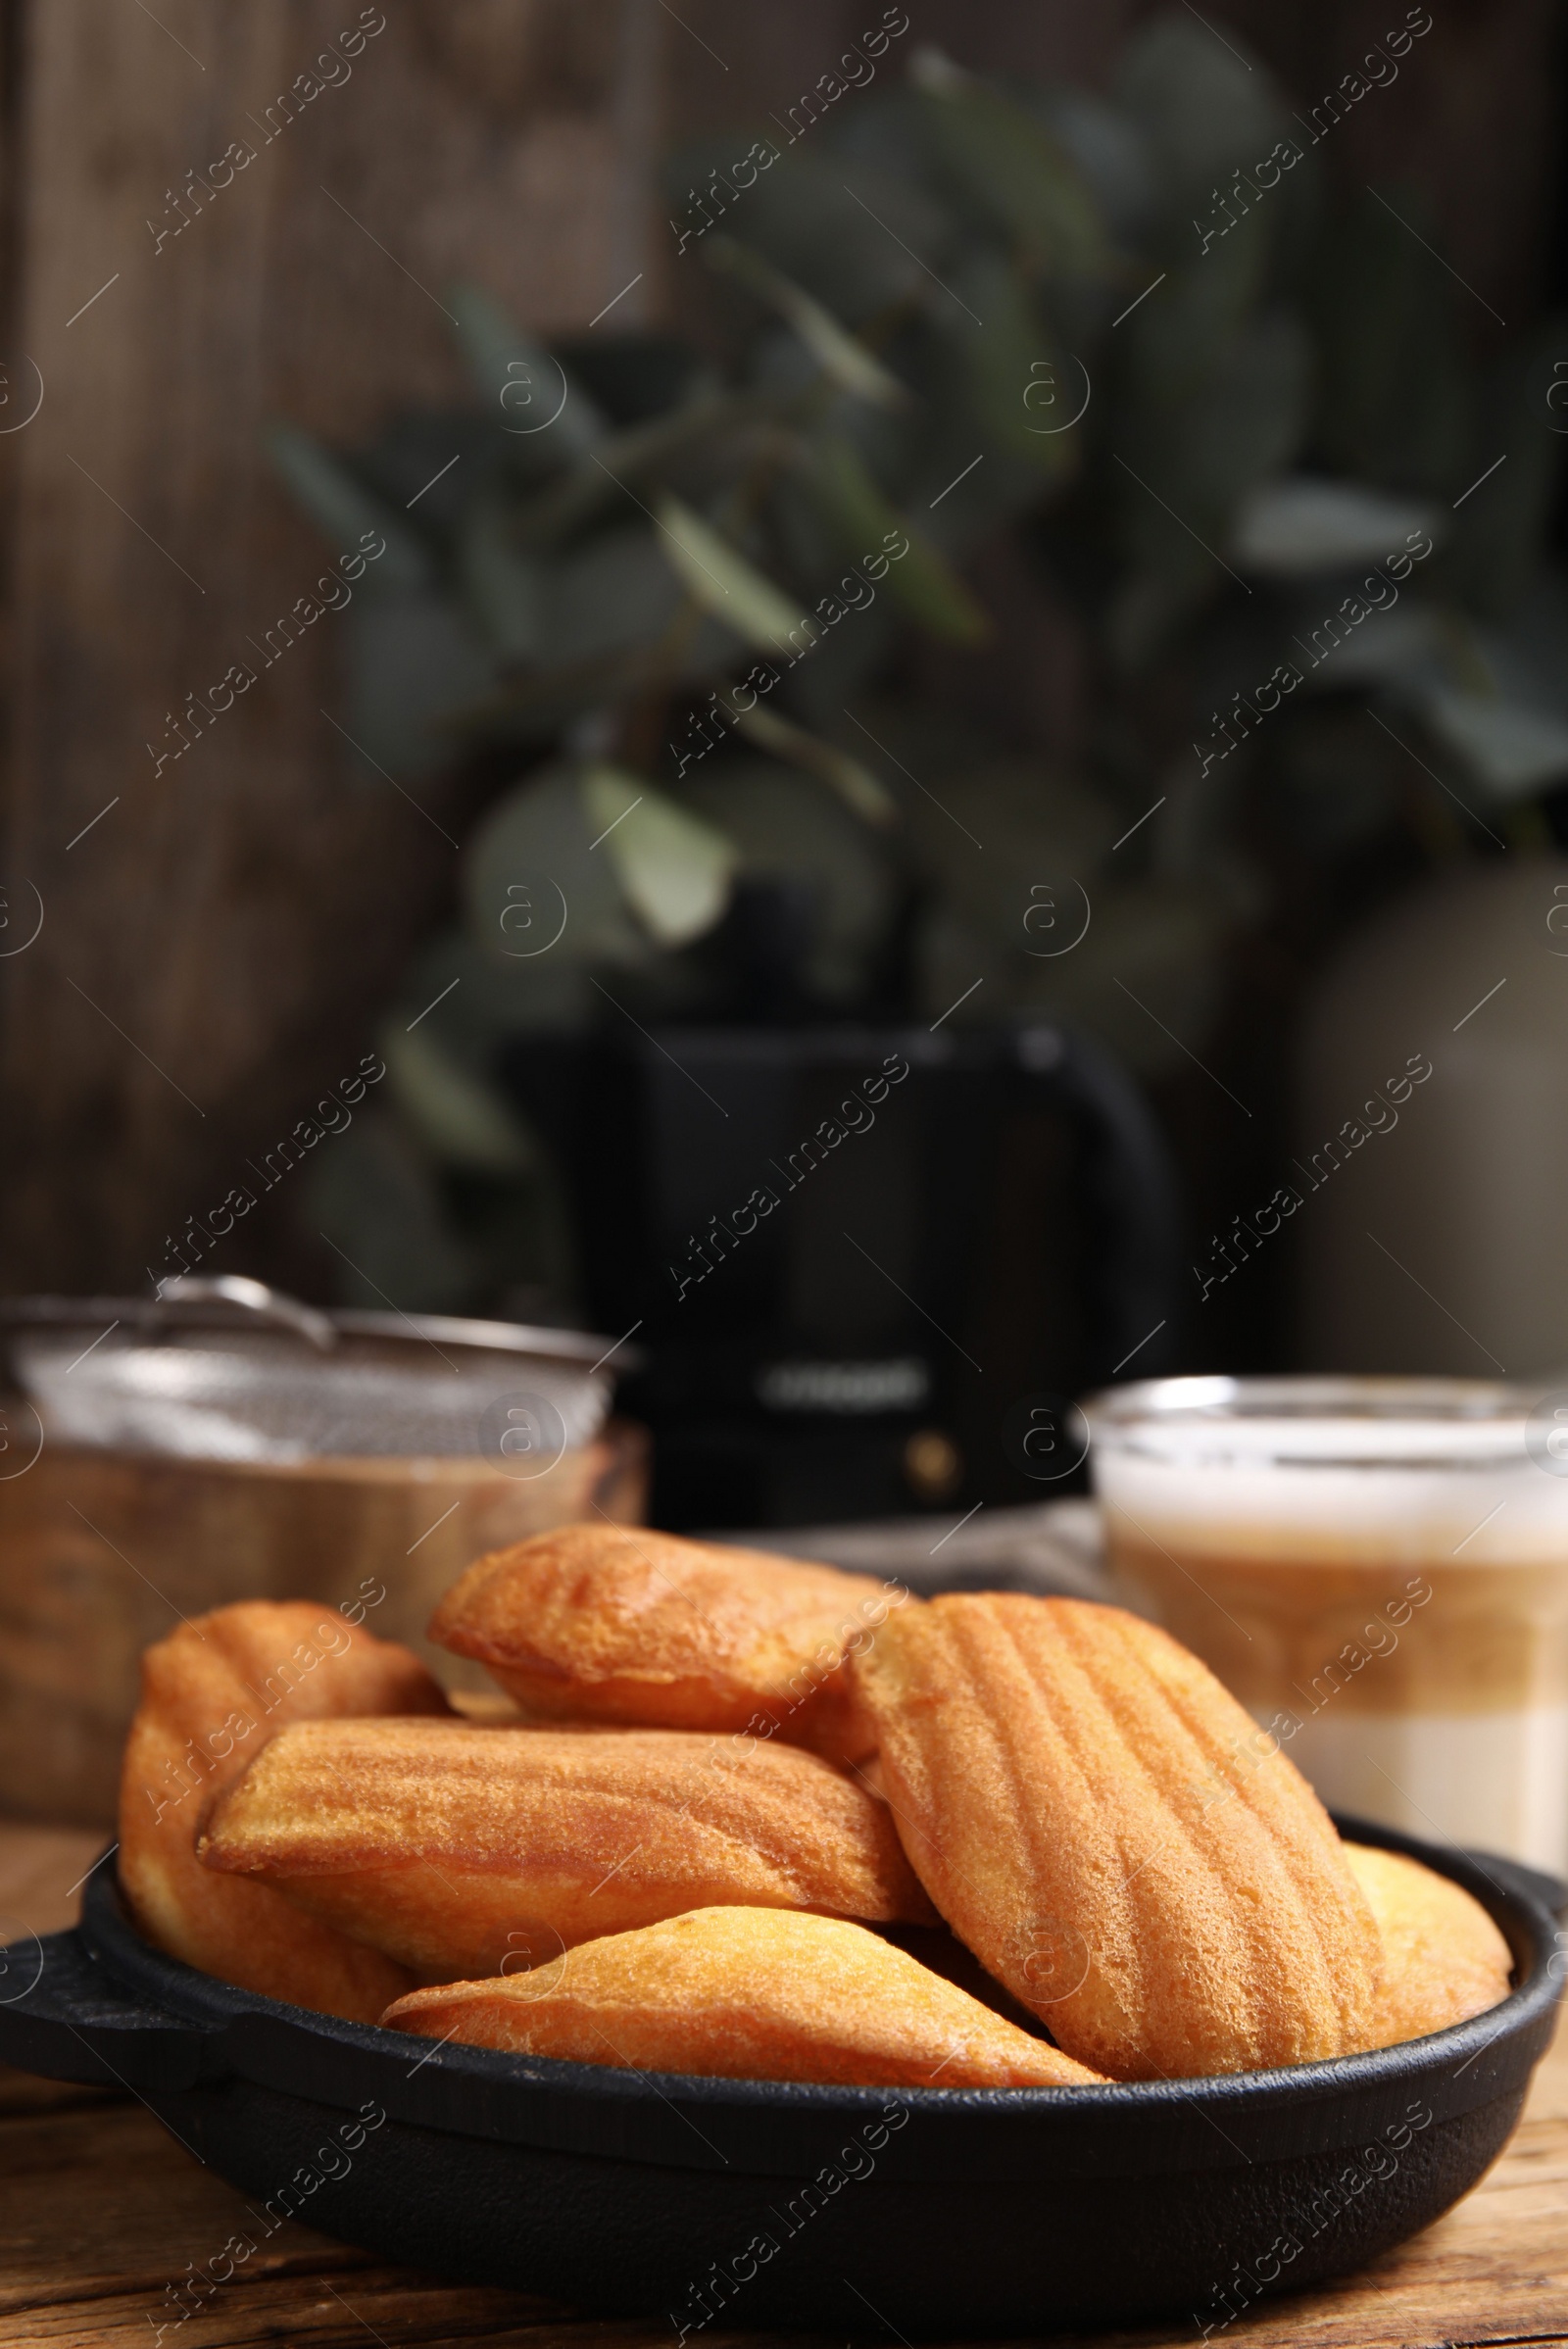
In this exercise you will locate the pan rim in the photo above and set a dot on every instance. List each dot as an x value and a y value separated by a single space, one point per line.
507 2091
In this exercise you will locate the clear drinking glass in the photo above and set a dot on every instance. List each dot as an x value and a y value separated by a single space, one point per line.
1378 1568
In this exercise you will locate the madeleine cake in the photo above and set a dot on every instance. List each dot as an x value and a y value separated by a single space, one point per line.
211 1694
745 1994
1115 1839
1443 1959
632 1626
462 1850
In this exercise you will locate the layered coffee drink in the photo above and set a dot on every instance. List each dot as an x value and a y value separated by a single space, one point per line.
1378 1568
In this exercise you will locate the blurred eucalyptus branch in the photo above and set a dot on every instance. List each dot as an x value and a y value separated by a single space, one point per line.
680 589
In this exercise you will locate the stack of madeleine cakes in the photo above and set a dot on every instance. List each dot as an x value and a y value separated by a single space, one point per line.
763 1820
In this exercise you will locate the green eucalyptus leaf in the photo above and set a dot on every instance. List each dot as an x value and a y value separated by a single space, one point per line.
538 897
612 595
786 827
505 588
859 239
1007 168
855 783
721 581
488 335
866 525
1206 111
1001 344
1185 464
425 465
674 869
1168 347
414 664
1513 748
1106 148
1294 527
642 453
335 498
461 1118
1334 650
842 358
527 383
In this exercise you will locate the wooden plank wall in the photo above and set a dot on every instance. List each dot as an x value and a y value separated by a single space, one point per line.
218 944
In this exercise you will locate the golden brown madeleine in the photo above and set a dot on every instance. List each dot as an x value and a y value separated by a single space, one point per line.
211 1694
640 1627
1443 1959
1116 1840
464 1850
743 1993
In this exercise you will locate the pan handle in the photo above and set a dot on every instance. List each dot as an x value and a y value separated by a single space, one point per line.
63 2017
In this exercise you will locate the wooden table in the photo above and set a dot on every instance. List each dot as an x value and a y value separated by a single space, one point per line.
100 2209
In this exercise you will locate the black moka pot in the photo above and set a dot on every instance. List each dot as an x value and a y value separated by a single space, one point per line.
856 1259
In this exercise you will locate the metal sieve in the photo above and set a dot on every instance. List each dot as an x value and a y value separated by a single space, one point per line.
227 1369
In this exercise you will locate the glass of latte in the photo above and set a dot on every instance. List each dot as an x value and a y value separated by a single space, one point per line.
1378 1568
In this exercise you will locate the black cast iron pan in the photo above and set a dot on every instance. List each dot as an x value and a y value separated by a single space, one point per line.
749 2204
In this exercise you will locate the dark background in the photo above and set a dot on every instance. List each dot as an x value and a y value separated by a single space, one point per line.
220 945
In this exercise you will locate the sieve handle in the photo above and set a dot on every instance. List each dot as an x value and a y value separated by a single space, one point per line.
253 1298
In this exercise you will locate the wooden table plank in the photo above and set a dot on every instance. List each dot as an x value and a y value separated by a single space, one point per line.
102 2212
